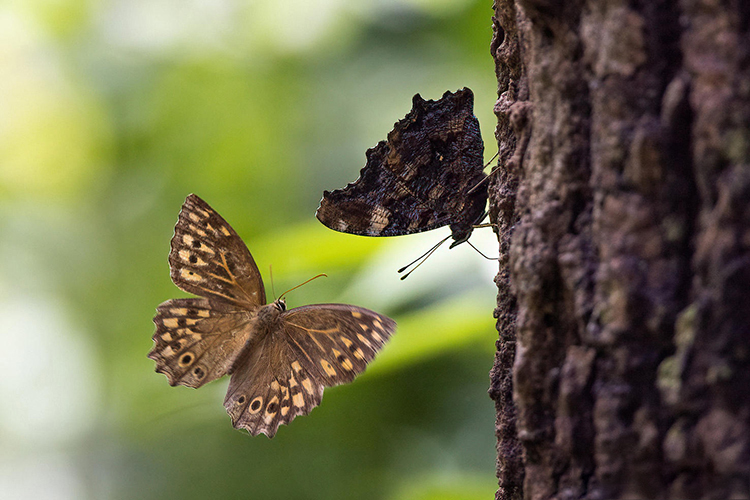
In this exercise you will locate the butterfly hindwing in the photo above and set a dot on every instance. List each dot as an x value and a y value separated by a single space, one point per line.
197 340
418 179
317 346
336 341
208 258
265 391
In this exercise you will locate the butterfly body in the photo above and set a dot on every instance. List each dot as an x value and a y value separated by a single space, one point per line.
420 178
279 360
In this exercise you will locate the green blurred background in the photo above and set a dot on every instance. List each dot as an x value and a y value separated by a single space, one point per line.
111 112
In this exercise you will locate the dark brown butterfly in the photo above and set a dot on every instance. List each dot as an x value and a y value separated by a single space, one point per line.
420 178
279 360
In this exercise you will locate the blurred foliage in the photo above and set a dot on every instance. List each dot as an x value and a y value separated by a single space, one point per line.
115 110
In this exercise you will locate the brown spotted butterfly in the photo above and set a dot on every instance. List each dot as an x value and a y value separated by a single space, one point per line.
279 360
422 177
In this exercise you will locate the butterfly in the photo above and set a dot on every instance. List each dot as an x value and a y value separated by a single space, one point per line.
279 360
427 174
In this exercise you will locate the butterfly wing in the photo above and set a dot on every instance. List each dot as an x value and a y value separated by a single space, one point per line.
198 340
208 258
418 179
316 346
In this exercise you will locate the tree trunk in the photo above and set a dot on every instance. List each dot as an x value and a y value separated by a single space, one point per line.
622 201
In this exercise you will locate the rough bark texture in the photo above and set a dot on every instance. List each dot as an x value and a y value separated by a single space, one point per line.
622 201
512 114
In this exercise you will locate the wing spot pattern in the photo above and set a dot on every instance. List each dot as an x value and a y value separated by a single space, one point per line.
343 360
271 409
186 359
307 385
175 347
379 219
285 401
298 400
190 275
348 343
170 322
255 405
364 340
197 230
188 256
330 371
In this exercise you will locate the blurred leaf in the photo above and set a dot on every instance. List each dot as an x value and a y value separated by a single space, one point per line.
448 486
113 112
436 330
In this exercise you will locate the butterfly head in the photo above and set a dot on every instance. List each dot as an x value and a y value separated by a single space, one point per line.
461 230
460 234
269 314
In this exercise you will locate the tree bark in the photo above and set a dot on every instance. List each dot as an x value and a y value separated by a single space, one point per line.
622 202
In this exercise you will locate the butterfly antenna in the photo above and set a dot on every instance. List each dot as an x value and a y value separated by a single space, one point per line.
477 223
486 177
480 253
270 272
303 283
421 258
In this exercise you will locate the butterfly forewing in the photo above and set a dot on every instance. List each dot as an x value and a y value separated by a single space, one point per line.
198 340
208 258
380 203
420 178
316 346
